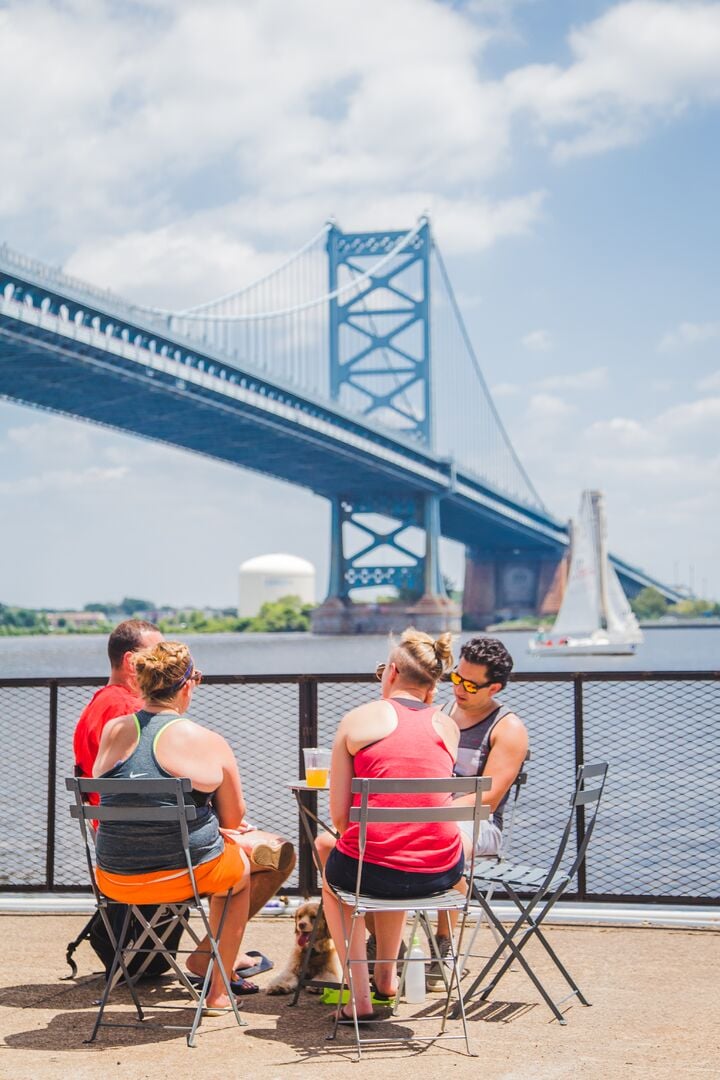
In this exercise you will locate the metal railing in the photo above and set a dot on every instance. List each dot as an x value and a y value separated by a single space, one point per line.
657 835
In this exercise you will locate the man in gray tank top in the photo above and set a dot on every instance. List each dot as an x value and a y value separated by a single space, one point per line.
493 742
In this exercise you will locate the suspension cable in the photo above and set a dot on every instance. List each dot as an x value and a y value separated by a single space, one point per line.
258 281
481 378
395 250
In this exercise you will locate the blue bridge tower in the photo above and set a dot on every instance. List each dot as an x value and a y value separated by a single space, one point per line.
380 368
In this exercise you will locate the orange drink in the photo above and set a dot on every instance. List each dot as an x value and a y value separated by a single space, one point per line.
317 766
316 777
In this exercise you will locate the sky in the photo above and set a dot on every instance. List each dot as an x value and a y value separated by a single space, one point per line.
568 154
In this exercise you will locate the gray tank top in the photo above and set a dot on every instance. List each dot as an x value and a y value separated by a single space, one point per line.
474 748
130 847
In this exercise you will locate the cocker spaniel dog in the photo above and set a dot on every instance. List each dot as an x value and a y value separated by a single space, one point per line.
323 962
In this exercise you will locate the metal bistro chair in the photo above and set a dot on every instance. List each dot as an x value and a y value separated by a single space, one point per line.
149 941
545 886
501 857
450 900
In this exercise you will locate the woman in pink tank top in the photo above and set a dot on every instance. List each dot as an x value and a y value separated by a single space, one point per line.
401 735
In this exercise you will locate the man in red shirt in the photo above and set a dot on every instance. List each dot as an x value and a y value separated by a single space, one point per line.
118 698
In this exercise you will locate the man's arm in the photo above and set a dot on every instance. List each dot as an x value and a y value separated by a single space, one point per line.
508 750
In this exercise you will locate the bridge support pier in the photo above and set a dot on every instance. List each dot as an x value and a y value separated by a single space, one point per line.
510 585
422 601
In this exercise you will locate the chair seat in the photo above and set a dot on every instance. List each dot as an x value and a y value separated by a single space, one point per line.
449 900
519 878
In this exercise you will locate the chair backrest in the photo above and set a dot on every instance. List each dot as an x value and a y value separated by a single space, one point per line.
582 796
134 808
589 788
366 814
511 808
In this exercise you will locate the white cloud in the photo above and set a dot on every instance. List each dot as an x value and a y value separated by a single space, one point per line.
57 480
505 389
592 379
267 98
639 63
537 341
548 407
710 382
176 266
206 255
687 334
620 432
694 417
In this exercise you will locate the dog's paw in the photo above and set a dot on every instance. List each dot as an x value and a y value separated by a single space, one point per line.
282 986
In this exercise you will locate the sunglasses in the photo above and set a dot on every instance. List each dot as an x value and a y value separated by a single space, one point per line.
468 685
379 668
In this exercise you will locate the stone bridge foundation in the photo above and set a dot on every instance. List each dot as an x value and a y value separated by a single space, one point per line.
502 585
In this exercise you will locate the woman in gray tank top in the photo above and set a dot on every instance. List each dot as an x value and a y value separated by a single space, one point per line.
161 741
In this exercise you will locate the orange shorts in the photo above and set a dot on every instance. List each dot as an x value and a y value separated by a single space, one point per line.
170 886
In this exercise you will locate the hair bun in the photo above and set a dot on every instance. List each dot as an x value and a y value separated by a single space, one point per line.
443 648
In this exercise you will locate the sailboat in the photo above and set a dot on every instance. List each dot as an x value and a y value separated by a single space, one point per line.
595 616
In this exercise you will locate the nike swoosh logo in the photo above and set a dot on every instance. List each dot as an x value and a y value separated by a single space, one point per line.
134 775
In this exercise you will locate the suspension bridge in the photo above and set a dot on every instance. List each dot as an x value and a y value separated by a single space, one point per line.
347 370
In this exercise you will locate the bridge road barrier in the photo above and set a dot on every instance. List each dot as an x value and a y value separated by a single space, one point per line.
656 839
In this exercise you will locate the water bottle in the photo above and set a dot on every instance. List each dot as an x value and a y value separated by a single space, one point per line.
415 974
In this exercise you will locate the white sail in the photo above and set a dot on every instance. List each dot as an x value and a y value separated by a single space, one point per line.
595 616
580 610
621 617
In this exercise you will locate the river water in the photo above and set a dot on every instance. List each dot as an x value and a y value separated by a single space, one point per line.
659 736
664 649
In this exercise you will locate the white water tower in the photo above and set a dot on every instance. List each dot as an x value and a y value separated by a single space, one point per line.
269 577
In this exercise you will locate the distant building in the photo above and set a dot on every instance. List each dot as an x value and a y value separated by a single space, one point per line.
268 577
78 620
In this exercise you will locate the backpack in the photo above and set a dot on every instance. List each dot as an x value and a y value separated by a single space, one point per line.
96 933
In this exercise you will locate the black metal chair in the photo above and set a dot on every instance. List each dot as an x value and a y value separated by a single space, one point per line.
149 941
544 887
450 900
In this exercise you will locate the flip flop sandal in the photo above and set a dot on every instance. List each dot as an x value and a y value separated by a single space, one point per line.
366 1018
240 986
263 964
210 1010
379 997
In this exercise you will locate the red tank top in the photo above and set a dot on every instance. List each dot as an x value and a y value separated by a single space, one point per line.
414 749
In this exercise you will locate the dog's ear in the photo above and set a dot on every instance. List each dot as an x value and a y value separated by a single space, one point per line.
322 927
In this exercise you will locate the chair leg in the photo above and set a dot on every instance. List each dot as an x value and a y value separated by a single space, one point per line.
214 959
118 962
535 924
455 978
516 953
347 980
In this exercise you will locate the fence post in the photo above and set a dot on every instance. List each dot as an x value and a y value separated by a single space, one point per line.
580 760
51 789
308 735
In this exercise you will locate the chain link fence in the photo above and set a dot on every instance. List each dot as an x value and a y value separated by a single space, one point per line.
657 833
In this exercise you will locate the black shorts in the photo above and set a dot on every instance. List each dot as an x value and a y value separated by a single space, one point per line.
386 883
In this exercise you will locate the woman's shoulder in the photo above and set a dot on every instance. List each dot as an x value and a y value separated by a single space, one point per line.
369 711
447 729
184 729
